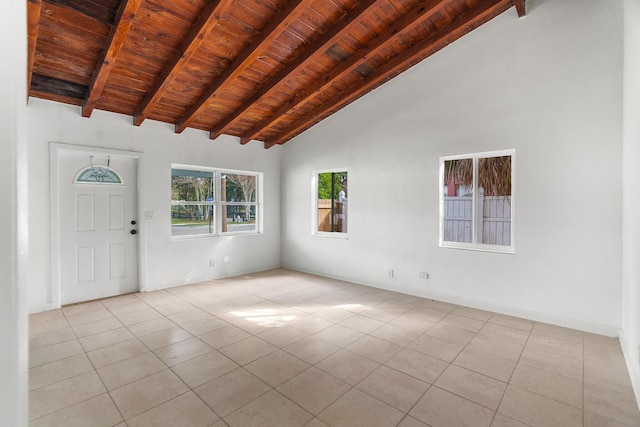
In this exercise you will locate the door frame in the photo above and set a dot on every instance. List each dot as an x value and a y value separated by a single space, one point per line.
55 151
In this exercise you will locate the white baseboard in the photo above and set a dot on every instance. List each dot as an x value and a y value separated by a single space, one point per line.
633 368
213 276
40 308
607 330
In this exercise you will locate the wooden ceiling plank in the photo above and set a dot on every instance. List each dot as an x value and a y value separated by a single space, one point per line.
33 20
36 93
483 11
520 8
55 86
72 23
192 42
94 10
423 11
319 46
273 29
122 25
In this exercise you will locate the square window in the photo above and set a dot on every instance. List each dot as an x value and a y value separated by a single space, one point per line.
192 202
476 201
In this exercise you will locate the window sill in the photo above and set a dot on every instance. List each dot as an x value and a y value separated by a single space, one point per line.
210 236
508 250
331 235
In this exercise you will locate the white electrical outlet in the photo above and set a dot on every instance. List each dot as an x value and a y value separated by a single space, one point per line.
424 275
390 273
212 263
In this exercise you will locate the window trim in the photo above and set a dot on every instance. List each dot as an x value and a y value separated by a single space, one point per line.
483 247
219 204
314 206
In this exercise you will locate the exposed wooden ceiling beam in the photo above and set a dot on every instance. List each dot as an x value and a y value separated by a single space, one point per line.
192 42
482 12
273 29
319 46
520 7
119 31
422 11
33 20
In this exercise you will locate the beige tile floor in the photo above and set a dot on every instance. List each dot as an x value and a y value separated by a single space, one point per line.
282 348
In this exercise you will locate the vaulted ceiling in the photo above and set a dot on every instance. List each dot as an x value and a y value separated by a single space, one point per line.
262 70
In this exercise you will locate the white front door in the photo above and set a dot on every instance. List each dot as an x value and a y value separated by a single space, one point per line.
98 228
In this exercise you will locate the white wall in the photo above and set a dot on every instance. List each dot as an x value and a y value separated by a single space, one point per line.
631 193
13 302
169 262
548 85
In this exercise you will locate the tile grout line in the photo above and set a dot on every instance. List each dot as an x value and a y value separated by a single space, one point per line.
243 289
511 376
147 376
271 388
101 379
170 368
94 370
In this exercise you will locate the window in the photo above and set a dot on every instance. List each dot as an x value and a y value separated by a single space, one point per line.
98 175
239 200
476 201
330 203
197 211
192 202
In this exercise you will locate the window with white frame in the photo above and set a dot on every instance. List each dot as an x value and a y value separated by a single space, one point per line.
192 202
330 203
477 200
239 201
208 201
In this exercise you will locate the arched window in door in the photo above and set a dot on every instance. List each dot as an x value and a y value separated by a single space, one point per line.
96 174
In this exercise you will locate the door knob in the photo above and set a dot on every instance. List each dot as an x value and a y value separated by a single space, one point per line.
133 222
133 231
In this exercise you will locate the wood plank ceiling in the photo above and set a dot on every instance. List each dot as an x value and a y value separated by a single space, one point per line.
263 70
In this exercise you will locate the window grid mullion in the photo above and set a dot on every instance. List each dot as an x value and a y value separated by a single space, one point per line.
474 203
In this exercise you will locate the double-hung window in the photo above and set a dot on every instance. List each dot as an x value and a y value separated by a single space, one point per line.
208 201
477 201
